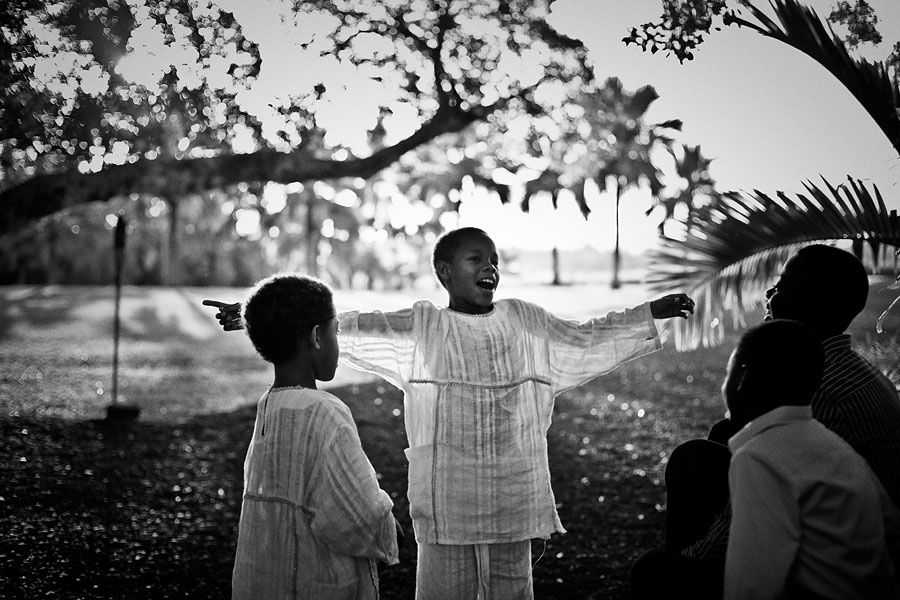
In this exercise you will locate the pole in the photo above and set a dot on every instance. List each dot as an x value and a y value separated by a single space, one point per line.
116 412
119 244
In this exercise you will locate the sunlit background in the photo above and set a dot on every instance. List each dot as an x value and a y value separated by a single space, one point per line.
768 117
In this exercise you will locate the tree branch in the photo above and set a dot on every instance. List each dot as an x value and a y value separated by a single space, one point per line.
44 195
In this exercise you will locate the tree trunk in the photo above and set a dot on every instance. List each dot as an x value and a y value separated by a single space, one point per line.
616 284
162 265
172 274
49 249
556 278
312 236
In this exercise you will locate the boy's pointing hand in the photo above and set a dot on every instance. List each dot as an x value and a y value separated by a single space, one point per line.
229 315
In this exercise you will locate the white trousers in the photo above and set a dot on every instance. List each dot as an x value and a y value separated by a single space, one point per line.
474 572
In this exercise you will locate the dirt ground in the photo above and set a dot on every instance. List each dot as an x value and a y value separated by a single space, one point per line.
90 509
150 510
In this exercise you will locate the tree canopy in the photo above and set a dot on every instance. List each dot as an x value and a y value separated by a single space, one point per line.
175 97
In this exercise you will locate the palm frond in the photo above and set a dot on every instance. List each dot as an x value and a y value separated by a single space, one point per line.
733 249
547 182
870 83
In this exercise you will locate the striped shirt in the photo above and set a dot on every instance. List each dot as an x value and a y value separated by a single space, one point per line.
313 518
860 404
478 399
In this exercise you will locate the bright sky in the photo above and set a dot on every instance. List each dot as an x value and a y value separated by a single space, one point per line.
769 116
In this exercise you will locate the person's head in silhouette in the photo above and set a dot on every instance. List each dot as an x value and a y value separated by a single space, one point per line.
821 286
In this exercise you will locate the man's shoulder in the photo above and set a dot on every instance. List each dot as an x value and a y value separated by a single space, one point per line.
791 446
846 372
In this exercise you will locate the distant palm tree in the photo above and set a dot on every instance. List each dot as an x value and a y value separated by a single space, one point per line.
700 187
626 143
552 182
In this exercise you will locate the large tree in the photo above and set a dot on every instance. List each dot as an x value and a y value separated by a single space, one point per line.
79 126
733 248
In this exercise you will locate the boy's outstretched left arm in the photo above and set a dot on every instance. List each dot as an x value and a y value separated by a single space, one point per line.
672 305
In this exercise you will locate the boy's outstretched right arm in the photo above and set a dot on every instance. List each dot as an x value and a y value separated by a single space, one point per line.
672 305
229 315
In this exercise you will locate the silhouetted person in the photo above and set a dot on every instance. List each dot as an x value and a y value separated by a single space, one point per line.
824 288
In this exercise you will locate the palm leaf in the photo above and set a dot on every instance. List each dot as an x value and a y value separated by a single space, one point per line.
733 249
547 182
870 83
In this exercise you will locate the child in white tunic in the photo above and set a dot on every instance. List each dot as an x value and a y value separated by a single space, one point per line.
313 519
479 380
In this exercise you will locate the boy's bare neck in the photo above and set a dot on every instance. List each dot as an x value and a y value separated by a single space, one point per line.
292 375
470 309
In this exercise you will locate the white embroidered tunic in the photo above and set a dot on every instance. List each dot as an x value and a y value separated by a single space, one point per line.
313 517
478 400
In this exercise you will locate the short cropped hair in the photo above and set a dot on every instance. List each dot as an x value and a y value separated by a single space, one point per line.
447 245
837 274
788 354
282 308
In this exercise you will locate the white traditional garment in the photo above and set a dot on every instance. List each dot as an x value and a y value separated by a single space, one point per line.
474 572
313 519
478 399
